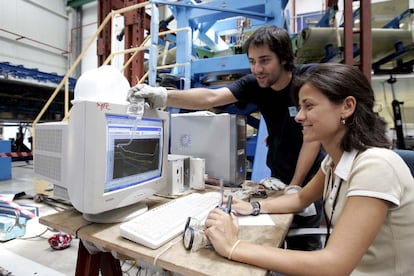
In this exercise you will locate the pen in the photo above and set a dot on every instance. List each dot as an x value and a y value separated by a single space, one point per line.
222 191
228 207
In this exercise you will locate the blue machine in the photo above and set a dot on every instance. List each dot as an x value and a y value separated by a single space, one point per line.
211 22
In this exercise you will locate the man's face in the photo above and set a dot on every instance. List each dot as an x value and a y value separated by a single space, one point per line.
265 65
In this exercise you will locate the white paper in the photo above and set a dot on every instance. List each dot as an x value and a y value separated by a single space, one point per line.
262 219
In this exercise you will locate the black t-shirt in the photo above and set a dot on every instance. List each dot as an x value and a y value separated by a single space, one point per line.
284 133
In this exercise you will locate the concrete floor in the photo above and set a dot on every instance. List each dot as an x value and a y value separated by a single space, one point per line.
32 254
34 245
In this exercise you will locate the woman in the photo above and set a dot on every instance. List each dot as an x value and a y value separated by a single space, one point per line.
368 190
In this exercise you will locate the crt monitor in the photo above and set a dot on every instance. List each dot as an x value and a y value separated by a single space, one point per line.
115 161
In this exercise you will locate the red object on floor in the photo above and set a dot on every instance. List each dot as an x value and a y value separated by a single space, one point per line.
60 241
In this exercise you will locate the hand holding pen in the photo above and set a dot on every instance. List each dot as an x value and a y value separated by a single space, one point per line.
227 209
238 207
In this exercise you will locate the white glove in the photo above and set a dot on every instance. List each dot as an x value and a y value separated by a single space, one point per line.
272 183
308 211
155 97
292 189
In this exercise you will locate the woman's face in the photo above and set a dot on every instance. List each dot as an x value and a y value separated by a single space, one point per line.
320 118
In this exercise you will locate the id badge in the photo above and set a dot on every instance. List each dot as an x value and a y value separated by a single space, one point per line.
293 111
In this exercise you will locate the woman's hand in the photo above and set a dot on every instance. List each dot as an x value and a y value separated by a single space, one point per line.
240 207
222 230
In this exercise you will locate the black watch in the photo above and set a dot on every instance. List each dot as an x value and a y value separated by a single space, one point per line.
256 208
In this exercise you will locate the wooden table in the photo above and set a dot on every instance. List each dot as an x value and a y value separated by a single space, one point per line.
106 238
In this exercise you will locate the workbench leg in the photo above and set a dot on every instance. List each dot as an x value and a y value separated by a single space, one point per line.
91 264
87 264
110 266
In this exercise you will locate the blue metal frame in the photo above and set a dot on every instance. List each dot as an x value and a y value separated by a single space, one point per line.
20 72
400 50
209 20
401 67
395 23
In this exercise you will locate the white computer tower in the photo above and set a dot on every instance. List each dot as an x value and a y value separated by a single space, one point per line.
176 175
220 139
50 149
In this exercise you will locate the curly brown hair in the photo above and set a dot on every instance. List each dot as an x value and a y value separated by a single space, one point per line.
277 39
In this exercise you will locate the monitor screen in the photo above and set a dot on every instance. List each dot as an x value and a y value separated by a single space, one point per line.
134 151
115 161
135 156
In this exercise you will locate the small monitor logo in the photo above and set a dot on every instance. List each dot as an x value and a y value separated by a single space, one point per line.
185 140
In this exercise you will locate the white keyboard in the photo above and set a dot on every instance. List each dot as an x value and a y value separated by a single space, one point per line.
159 225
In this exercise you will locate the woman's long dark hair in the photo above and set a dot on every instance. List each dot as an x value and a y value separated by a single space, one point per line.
364 128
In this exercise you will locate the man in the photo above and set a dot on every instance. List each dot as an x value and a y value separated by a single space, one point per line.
291 161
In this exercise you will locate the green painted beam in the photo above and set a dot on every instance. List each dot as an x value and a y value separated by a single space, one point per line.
78 3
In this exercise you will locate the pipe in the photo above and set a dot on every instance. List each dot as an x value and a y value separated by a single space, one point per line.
20 37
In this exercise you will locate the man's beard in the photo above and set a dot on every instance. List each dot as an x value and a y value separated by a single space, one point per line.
268 83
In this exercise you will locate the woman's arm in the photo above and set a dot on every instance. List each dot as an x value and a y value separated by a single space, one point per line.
293 203
288 203
356 229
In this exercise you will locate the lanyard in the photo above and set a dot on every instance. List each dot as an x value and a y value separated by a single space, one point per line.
335 201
